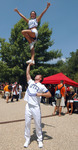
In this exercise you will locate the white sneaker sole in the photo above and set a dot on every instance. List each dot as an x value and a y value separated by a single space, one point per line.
30 61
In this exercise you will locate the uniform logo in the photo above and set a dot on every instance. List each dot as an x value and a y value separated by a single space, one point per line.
32 90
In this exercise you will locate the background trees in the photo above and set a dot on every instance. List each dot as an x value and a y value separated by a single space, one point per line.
70 67
15 54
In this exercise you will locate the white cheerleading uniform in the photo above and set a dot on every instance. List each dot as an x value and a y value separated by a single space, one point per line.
33 25
33 108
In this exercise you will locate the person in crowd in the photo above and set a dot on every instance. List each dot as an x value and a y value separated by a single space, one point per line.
15 92
43 100
33 96
60 101
53 95
67 95
70 98
20 91
50 99
2 86
7 92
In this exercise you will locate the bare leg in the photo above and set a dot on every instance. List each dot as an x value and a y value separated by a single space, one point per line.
32 54
7 98
71 108
60 109
55 108
32 57
29 35
67 108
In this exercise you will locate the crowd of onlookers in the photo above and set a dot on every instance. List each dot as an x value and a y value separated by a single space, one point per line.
11 91
68 94
66 99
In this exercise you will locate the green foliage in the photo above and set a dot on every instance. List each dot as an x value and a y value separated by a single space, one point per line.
70 67
76 77
72 64
5 72
15 53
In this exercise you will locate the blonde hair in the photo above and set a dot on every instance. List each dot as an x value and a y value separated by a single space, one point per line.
71 89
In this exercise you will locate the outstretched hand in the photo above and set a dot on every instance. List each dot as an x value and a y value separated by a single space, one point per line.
48 5
16 10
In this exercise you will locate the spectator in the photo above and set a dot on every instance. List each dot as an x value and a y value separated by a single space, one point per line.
60 102
15 92
43 100
70 95
67 94
20 91
50 99
7 92
53 95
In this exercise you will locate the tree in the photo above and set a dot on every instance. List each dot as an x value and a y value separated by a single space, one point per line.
72 64
17 51
5 72
70 67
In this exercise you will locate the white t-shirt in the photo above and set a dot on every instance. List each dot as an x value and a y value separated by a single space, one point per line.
20 88
15 90
32 90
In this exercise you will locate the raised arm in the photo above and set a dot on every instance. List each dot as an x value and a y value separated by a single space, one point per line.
21 15
28 73
39 18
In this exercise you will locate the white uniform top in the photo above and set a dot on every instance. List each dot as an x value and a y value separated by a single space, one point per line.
32 23
32 90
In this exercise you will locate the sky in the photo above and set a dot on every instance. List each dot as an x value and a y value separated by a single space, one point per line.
62 17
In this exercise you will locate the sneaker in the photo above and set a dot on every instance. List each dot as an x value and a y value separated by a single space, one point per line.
26 143
30 61
40 144
32 45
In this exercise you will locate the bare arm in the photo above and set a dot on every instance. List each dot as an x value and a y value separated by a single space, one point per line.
28 73
39 18
74 95
47 94
21 15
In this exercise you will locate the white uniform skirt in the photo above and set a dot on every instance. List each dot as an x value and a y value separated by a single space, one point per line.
35 31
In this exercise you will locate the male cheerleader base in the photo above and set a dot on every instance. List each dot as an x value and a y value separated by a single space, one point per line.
33 93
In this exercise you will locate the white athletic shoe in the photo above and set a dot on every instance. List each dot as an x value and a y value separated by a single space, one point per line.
40 144
30 61
26 143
